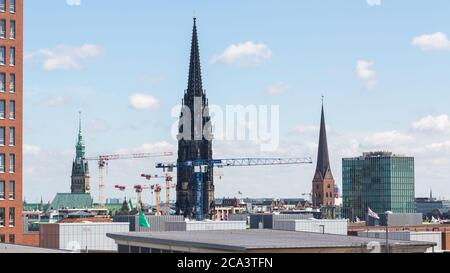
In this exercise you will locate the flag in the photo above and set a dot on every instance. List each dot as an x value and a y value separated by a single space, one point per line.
143 220
373 214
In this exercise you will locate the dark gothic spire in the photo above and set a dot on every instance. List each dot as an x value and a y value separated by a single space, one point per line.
195 73
323 160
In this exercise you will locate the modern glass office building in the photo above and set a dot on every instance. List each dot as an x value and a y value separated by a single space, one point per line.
380 181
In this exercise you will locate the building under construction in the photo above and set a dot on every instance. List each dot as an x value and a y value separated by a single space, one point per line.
194 139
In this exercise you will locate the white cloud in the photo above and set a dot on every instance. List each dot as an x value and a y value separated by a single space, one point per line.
73 2
276 89
156 147
434 41
365 72
430 123
385 139
245 54
374 2
57 101
29 149
439 146
141 101
64 57
97 126
306 129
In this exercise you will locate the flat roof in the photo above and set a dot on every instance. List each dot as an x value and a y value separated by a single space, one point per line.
7 248
242 240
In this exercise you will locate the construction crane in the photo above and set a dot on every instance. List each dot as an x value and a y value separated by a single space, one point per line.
201 166
139 189
120 188
103 160
158 189
168 180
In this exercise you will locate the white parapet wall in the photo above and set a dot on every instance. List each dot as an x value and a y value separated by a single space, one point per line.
418 236
339 227
78 237
206 225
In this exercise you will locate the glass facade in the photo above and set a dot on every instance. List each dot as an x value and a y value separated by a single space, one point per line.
379 181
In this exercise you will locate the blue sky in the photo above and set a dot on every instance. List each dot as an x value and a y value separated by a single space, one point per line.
383 68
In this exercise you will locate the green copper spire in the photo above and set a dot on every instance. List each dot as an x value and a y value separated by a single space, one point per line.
80 148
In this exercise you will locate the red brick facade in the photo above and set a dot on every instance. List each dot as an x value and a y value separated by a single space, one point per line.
11 151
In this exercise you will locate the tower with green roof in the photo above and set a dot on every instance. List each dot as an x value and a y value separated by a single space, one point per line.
80 167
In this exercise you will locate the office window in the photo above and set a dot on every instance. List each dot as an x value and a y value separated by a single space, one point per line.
12 56
2 239
2 109
3 29
12 136
12 6
2 5
2 136
12 239
12 217
12 109
12 83
12 163
2 190
2 55
2 217
2 82
12 29
2 163
12 190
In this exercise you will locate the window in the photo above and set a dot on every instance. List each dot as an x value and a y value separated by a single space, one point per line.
2 239
2 217
2 136
12 30
2 163
12 190
12 239
12 217
12 136
2 5
12 109
3 29
2 190
12 163
12 83
2 55
2 109
12 56
2 82
12 6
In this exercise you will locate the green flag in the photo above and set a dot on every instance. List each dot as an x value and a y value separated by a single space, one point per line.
143 220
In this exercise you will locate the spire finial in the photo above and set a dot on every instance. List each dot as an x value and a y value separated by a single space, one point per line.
323 97
79 121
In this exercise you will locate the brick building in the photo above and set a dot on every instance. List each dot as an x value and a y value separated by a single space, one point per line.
11 71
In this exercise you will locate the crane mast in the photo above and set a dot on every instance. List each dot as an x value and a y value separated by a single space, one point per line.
103 160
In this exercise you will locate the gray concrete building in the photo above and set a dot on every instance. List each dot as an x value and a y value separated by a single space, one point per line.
257 241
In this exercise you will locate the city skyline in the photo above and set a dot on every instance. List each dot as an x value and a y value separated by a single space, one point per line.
127 87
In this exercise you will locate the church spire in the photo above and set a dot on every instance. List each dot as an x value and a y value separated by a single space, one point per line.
195 75
323 160
80 147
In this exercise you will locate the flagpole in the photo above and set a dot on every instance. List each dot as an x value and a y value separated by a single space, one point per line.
387 233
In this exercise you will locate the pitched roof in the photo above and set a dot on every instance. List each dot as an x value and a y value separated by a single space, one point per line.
323 159
72 201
